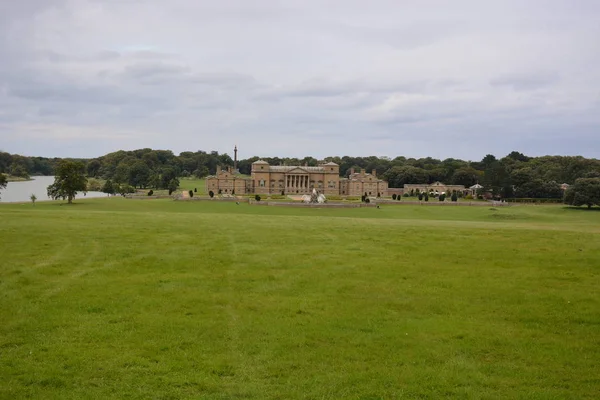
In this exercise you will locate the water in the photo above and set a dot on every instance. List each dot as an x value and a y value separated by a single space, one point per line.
22 191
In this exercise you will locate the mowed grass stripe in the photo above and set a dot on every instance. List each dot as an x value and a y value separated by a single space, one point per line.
164 300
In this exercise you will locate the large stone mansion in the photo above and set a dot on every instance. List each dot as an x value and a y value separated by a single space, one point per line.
283 179
290 180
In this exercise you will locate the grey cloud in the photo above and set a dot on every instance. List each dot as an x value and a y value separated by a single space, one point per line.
527 81
277 78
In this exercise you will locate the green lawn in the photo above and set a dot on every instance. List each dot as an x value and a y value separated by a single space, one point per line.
115 298
191 184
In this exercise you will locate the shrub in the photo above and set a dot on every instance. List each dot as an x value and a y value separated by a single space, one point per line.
151 192
469 197
426 197
363 198
211 194
442 197
399 198
406 195
394 196
454 196
170 192
195 190
191 192
420 196
257 197
367 200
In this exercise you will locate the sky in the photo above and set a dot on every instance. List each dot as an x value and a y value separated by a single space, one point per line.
455 78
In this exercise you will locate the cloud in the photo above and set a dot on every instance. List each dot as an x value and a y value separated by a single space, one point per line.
345 77
527 81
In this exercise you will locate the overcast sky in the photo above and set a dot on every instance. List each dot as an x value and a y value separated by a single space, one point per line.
455 78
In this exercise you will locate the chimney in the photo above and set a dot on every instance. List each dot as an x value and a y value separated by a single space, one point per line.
351 171
362 171
374 173
235 158
218 169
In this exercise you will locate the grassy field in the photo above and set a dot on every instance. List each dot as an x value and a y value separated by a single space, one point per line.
115 298
191 184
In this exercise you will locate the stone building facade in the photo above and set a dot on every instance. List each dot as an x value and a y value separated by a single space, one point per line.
361 183
435 187
278 179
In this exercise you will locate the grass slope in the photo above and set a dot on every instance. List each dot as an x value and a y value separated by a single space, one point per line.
115 298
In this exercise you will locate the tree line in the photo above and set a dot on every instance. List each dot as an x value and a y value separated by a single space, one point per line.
515 175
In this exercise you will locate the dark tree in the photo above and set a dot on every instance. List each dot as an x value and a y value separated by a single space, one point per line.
93 168
257 198
191 193
394 196
454 196
68 180
585 191
173 185
139 174
3 181
108 187
211 194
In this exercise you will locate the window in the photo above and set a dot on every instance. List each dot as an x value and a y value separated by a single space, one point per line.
261 183
332 169
262 167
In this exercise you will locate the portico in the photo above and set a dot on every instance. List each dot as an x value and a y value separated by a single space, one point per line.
297 183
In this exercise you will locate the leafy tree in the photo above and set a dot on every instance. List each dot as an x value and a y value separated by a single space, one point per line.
201 172
20 171
515 155
173 184
394 196
399 176
211 194
426 197
108 187
124 189
139 174
191 193
93 168
257 197
420 196
33 198
467 176
454 196
442 197
585 191
3 181
68 180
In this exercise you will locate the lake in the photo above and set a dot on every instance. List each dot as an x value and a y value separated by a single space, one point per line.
22 191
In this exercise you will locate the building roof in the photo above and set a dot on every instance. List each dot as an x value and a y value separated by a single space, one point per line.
288 168
476 186
260 162
330 163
